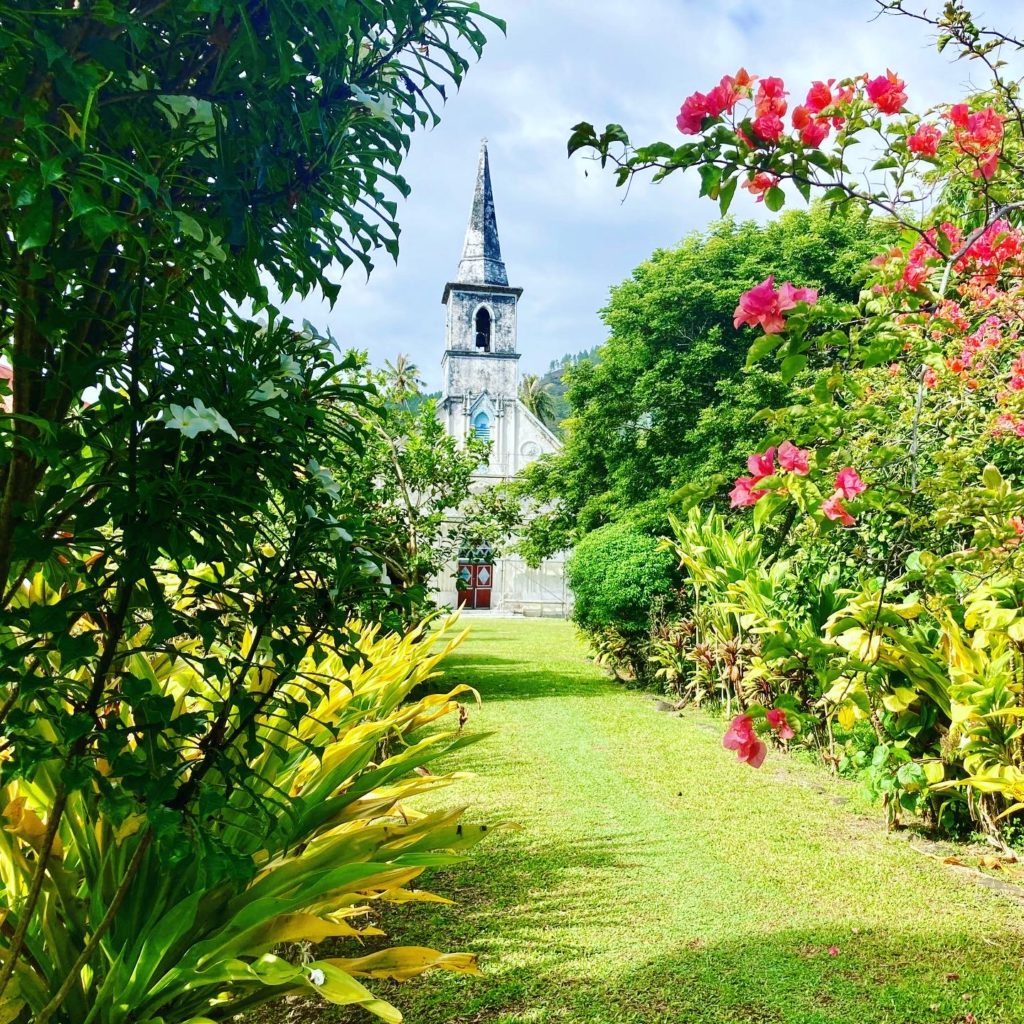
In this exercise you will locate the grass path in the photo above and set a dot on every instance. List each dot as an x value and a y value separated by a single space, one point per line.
654 879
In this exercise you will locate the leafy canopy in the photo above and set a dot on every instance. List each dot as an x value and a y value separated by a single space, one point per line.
669 397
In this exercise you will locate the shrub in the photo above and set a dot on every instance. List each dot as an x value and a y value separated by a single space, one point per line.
182 944
620 578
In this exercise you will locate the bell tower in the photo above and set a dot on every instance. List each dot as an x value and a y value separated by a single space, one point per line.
480 365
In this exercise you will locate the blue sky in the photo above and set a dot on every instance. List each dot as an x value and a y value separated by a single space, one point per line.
567 235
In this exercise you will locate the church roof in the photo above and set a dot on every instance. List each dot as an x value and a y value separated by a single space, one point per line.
481 261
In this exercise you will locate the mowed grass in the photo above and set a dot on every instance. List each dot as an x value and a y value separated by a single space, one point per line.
655 879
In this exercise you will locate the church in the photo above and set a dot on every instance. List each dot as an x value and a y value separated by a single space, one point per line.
480 395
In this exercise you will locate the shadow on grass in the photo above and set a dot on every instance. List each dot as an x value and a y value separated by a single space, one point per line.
559 945
499 678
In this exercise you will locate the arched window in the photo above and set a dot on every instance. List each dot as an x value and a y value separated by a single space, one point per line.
483 329
482 426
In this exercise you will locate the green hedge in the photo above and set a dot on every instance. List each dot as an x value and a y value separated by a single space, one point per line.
619 578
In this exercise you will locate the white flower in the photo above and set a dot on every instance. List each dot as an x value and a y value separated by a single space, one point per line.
290 367
196 419
266 392
317 976
378 106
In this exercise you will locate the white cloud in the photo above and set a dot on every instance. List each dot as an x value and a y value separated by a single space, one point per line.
566 234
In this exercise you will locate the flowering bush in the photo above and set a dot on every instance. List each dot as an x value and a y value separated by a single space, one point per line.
897 465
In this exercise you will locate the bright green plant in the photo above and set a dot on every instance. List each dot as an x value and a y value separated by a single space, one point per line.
166 496
122 935
618 576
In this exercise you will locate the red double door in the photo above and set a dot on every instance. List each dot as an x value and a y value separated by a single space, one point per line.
478 580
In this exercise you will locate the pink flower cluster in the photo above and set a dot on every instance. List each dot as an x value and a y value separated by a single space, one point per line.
979 135
742 738
764 304
1007 423
987 336
793 460
886 92
1000 244
925 141
999 248
720 100
848 486
809 119
769 106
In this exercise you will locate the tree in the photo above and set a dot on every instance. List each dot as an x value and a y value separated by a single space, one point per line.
889 486
164 499
669 396
535 395
402 377
414 484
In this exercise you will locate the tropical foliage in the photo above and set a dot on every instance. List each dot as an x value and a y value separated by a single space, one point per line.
535 394
413 482
176 554
869 602
666 399
317 830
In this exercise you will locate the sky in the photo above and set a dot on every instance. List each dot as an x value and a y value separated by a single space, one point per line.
567 234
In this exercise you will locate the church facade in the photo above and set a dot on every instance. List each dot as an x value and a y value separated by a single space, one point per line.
480 396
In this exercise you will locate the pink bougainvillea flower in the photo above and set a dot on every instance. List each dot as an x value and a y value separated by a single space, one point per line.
982 132
778 721
764 305
849 483
958 114
843 95
759 184
925 141
987 167
815 133
833 951
1004 422
929 378
790 295
813 130
819 96
770 97
955 364
725 95
895 369
762 464
769 127
834 509
1017 524
741 730
692 113
760 305
745 492
801 117
794 460
742 738
886 92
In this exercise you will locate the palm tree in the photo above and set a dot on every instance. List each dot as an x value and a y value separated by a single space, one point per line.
403 376
535 395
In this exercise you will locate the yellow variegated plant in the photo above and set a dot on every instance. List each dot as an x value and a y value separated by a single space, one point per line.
119 936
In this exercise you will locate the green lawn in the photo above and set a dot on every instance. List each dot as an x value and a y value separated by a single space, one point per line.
655 879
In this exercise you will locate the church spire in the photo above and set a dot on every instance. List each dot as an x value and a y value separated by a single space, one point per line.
481 261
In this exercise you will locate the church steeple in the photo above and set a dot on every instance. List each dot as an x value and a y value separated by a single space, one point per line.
480 358
481 261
